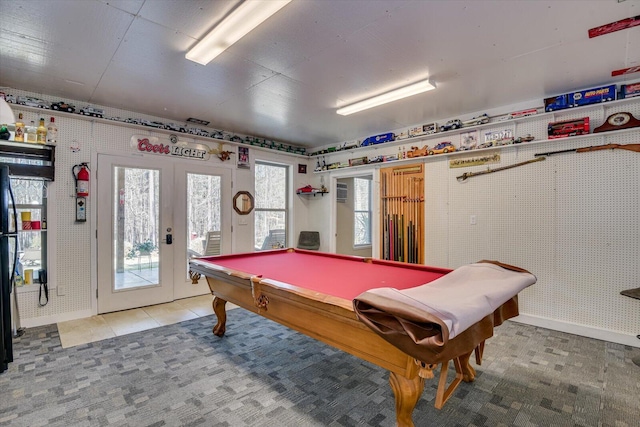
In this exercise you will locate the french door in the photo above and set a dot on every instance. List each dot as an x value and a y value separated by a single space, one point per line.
153 215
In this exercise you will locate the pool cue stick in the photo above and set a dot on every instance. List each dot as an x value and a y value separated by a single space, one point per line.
409 225
418 221
385 218
415 219
385 225
404 212
382 211
391 202
421 213
395 218
408 209
403 246
400 220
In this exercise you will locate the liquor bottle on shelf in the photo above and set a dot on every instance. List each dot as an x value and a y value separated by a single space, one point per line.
41 133
19 133
31 132
52 132
4 132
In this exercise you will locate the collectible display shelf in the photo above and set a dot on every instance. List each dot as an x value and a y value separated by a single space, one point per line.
312 193
46 112
511 123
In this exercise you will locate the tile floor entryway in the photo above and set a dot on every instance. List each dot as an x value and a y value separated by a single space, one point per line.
103 326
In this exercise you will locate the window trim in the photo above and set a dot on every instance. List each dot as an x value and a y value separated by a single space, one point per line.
369 212
287 208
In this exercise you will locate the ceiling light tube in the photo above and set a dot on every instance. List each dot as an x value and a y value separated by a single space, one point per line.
385 98
247 16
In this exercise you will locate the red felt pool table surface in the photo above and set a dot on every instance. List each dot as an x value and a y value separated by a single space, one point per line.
337 275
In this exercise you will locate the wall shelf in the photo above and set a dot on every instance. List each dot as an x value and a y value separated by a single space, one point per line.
29 151
553 116
103 120
455 134
312 193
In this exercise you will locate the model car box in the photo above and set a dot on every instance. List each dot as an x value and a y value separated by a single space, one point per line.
630 90
567 128
358 161
427 129
378 139
401 135
592 96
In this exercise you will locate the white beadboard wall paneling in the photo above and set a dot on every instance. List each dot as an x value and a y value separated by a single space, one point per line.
70 243
571 219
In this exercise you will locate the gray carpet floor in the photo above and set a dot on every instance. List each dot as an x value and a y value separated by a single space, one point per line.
262 374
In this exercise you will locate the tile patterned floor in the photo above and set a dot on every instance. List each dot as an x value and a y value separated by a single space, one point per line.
103 326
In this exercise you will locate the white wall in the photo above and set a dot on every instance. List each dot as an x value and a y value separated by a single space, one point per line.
571 219
72 245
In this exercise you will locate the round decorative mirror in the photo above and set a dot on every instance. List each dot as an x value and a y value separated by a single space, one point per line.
243 202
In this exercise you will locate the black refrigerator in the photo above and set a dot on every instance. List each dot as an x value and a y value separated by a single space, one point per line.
8 254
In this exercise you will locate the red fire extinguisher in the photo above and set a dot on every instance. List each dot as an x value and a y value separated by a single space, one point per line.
82 179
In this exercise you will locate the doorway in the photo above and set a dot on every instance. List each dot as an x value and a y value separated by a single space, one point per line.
354 215
153 216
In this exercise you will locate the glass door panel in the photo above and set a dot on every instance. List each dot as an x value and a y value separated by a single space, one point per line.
202 206
134 217
204 194
141 202
136 233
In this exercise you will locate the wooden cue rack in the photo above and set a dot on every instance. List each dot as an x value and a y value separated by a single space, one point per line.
402 213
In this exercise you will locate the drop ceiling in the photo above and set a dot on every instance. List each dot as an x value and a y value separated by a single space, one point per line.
284 80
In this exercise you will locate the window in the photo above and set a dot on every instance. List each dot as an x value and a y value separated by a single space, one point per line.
30 200
271 206
362 212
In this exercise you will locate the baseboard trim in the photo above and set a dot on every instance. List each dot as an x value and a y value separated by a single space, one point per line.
585 331
48 320
555 325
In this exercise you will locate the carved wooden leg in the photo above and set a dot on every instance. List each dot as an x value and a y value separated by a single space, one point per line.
468 373
221 313
407 392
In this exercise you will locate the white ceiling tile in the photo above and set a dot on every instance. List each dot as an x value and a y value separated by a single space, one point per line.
285 79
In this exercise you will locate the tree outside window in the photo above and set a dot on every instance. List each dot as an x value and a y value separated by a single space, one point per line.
362 212
271 211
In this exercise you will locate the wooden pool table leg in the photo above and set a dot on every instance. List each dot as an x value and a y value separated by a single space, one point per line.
221 313
407 392
467 371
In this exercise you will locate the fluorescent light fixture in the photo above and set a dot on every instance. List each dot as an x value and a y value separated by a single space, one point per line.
385 98
247 16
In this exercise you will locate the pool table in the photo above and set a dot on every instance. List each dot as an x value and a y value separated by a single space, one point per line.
312 292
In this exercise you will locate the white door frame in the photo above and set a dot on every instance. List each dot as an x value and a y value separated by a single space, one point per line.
173 201
183 288
375 206
135 297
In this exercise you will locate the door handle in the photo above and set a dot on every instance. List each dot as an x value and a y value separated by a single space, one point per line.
169 239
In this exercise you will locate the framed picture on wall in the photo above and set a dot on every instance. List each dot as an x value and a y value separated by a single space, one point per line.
302 168
243 158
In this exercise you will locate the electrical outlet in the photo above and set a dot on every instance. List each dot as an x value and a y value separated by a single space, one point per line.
61 291
473 219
